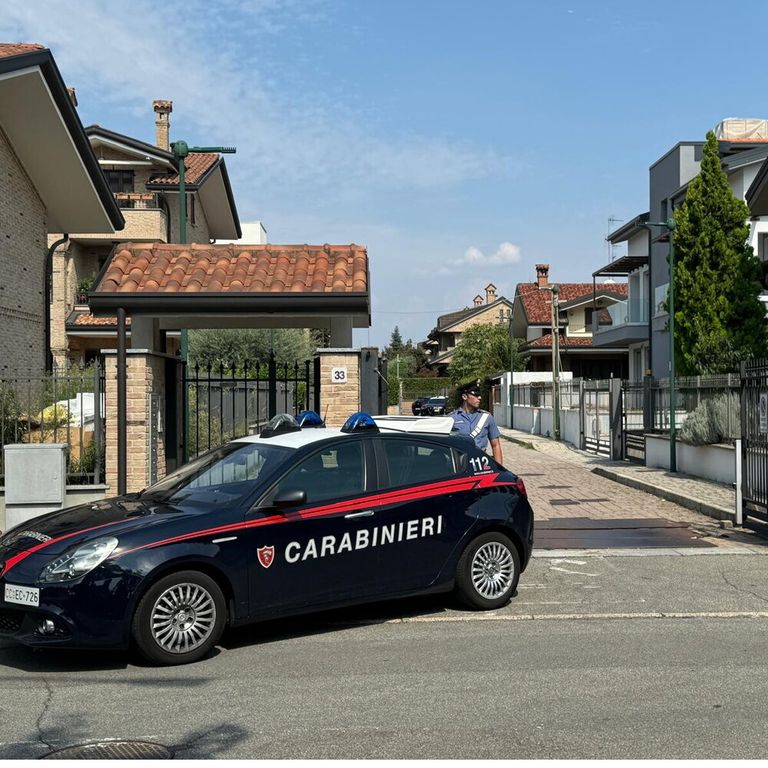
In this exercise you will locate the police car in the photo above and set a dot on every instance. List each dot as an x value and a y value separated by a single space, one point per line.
297 519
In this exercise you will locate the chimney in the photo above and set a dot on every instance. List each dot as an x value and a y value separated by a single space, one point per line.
72 96
542 275
478 301
490 293
162 123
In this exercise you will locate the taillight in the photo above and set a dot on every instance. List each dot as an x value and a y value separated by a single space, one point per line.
520 485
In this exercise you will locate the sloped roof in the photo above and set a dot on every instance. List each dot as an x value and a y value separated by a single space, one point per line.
446 321
196 166
545 341
43 128
537 302
16 49
171 268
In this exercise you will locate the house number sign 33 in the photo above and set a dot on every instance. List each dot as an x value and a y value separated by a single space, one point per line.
339 375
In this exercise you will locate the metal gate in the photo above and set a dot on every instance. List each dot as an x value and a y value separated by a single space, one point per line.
633 398
595 416
226 401
754 442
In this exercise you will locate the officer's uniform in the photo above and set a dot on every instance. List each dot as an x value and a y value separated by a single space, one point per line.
480 426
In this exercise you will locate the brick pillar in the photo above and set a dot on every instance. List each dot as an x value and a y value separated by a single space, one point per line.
339 400
145 372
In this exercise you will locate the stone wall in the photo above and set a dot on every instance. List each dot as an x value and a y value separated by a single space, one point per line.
23 251
145 375
338 401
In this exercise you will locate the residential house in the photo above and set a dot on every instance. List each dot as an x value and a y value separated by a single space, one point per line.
642 325
533 321
144 181
42 143
628 326
443 338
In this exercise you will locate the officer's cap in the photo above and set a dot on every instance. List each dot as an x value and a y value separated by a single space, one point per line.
471 389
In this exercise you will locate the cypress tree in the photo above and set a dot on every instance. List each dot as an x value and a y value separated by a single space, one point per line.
718 317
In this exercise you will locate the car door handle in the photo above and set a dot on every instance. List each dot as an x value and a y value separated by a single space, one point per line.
367 513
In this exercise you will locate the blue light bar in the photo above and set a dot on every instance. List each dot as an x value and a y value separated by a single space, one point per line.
309 419
359 422
279 425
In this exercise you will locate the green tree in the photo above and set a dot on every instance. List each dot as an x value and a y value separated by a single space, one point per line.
482 351
238 345
395 341
718 317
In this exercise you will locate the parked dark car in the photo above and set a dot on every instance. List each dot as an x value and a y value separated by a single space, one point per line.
417 405
292 521
434 406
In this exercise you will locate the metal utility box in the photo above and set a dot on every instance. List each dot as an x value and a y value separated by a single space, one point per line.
35 480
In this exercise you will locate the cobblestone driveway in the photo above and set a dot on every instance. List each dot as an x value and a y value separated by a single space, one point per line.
551 481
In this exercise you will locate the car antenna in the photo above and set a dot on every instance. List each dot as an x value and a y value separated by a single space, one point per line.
325 415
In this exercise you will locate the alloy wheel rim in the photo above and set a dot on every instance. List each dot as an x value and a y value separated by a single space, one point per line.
493 570
183 618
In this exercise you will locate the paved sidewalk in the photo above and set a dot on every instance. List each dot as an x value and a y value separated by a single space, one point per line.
702 496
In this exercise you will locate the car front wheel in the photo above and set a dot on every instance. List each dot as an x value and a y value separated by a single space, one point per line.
180 618
488 571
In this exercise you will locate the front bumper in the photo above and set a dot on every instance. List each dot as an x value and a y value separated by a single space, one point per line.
90 612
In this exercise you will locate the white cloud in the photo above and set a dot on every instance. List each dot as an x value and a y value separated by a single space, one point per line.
127 54
507 253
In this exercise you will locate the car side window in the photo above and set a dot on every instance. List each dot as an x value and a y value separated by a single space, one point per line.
331 473
416 462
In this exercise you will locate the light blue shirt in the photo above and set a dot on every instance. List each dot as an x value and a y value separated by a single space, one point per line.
465 423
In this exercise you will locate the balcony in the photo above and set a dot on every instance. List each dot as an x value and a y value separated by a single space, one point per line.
628 324
145 220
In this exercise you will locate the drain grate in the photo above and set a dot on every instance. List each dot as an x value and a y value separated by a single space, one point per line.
562 502
112 750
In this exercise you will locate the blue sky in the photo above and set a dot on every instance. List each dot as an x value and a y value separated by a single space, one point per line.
461 142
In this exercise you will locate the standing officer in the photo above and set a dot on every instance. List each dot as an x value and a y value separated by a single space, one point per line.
471 420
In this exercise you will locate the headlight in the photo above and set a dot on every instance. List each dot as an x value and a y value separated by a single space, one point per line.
79 561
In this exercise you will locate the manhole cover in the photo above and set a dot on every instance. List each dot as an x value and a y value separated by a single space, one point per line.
112 750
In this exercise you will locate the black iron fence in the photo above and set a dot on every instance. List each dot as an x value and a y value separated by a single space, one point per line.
754 447
67 407
225 401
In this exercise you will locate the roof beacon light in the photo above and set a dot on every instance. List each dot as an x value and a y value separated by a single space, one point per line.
280 425
359 422
309 419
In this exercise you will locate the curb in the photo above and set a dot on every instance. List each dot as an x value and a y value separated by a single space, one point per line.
518 441
710 510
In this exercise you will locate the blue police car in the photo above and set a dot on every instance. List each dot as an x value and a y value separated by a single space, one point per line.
297 519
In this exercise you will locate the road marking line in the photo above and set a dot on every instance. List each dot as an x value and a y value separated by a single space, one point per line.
575 573
582 617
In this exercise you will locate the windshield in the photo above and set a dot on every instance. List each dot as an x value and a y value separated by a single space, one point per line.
436 401
225 475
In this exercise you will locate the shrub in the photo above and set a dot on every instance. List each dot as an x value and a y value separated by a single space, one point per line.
714 420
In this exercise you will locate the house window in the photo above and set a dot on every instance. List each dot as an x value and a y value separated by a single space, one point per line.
120 181
191 208
588 318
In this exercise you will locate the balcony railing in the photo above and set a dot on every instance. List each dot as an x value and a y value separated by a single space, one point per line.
137 200
629 311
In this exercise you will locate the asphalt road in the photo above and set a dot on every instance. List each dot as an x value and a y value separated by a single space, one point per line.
597 657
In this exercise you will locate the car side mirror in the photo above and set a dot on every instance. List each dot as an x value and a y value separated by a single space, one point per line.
291 497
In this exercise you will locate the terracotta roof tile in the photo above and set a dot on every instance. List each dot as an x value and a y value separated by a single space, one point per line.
88 320
196 165
16 49
545 341
169 268
537 302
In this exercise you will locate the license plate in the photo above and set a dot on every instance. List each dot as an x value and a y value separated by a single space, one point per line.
22 595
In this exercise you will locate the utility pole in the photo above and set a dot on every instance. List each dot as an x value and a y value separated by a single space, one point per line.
555 362
180 151
399 387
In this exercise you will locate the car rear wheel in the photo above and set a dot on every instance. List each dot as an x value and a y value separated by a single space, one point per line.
180 618
488 571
